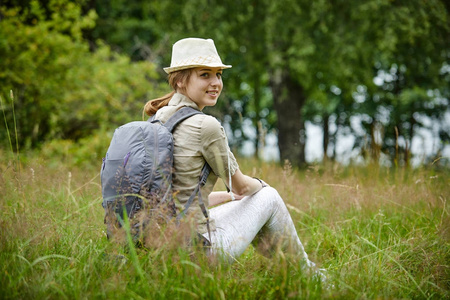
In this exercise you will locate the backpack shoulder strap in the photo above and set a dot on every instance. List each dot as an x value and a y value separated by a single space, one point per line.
181 115
201 182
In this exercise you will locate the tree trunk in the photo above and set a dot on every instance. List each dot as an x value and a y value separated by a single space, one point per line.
375 146
412 122
255 120
289 99
326 136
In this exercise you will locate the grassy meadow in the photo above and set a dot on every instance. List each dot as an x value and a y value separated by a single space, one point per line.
380 233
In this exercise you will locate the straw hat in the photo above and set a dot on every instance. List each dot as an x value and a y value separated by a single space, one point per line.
194 52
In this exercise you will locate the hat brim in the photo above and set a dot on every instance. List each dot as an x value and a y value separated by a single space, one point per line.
169 70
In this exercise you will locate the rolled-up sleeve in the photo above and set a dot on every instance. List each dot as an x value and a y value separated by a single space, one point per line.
215 148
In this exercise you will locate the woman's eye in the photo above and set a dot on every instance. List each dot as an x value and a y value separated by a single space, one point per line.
219 75
204 75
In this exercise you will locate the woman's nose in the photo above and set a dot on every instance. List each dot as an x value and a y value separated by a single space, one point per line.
215 81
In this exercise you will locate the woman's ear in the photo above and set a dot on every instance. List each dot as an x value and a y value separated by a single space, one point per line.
180 84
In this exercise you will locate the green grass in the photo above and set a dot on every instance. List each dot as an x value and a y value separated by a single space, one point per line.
380 234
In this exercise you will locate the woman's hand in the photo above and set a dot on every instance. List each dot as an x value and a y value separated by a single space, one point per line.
237 197
216 198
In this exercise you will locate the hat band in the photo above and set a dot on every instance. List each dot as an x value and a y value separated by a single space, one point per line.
199 60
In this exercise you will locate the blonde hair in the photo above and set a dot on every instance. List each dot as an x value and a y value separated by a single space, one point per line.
152 106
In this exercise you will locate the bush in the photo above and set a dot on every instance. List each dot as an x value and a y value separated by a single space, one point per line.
61 89
87 152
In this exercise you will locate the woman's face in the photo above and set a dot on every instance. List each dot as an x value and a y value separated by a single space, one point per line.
204 86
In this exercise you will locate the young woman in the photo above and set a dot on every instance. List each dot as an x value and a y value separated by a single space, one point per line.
253 212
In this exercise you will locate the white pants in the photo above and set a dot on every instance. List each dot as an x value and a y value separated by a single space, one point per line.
261 219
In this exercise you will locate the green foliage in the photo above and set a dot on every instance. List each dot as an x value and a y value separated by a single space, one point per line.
62 89
88 150
130 26
106 90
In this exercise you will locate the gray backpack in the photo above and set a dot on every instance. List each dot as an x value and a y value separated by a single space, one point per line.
136 173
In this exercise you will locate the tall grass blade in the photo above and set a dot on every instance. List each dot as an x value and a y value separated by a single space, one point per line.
15 130
131 247
6 124
46 257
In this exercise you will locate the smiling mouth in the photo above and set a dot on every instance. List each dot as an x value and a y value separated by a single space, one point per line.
212 93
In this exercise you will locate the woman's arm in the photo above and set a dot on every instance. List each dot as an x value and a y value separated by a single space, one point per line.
243 185
216 152
216 198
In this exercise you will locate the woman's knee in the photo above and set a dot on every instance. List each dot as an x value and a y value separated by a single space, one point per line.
272 193
272 196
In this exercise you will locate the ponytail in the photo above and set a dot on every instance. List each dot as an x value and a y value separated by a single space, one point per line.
152 106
